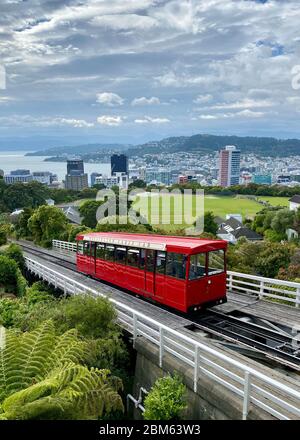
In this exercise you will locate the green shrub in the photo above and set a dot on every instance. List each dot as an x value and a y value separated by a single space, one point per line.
3 236
8 272
166 400
92 317
14 252
38 293
9 310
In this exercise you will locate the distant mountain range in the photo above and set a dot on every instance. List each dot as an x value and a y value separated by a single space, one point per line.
207 143
202 143
79 149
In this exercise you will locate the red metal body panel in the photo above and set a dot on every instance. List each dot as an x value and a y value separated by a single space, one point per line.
181 294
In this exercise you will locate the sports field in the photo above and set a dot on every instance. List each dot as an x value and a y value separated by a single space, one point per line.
171 212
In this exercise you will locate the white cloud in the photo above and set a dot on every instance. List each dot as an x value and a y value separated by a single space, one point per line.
145 101
202 99
244 104
77 123
151 120
242 114
43 121
111 121
183 79
208 117
109 99
250 114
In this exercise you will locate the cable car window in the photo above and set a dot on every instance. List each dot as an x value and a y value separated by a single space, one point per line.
86 248
176 265
150 260
80 247
120 256
197 266
216 262
133 256
142 259
100 251
161 262
109 253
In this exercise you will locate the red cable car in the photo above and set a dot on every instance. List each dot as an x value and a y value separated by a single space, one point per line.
181 272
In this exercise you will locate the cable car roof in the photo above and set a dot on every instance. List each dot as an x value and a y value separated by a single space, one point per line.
153 241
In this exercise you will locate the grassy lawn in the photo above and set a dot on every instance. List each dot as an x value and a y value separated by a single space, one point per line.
276 201
152 208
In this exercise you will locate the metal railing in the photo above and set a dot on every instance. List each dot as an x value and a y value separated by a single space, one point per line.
264 288
286 292
64 245
252 386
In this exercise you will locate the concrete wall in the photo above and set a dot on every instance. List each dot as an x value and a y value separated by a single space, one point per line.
211 402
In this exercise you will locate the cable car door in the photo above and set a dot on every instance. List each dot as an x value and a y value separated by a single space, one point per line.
92 258
150 271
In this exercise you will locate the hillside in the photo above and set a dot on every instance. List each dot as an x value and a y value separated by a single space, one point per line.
78 149
208 143
205 143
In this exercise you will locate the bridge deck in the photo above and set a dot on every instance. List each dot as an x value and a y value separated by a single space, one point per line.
280 314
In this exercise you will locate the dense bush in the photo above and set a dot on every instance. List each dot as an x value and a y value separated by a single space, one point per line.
93 318
166 399
14 252
48 223
10 310
3 236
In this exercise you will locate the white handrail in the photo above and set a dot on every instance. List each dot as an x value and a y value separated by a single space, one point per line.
287 292
252 385
263 288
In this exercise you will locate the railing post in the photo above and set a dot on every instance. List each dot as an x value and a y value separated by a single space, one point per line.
297 303
247 396
230 282
196 368
134 329
261 289
161 345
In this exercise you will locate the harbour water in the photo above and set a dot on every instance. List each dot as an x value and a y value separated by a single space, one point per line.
13 160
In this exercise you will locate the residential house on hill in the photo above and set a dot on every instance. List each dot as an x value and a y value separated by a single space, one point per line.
232 229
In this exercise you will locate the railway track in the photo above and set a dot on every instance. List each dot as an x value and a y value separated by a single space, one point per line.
279 345
268 338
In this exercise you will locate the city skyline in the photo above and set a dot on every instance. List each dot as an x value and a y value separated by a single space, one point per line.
147 69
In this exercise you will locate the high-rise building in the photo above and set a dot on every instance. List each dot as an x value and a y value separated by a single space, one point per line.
119 164
93 178
75 165
229 166
23 176
45 177
76 178
158 176
119 179
76 182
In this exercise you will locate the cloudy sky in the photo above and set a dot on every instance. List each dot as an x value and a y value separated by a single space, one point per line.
136 70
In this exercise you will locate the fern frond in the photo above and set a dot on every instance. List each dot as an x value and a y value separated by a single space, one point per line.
41 378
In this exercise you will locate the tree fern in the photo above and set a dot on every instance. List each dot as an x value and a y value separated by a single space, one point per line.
41 377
